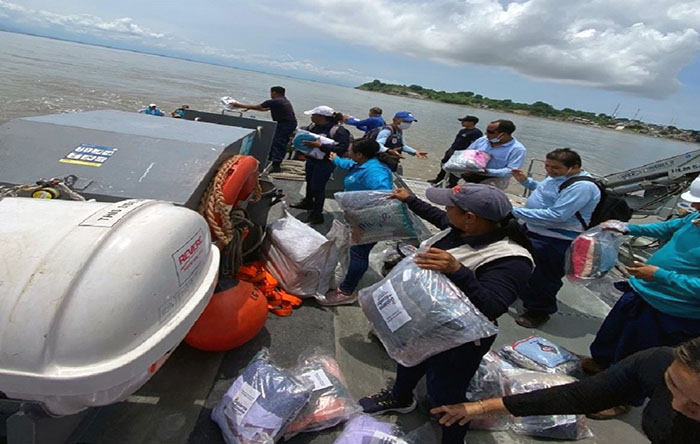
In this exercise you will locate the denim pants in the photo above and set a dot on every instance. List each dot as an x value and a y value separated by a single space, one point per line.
549 253
359 263
633 325
317 174
278 149
447 376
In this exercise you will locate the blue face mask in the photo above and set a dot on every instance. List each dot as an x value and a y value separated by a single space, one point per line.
496 140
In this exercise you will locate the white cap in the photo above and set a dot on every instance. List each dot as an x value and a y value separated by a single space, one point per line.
322 110
153 105
693 194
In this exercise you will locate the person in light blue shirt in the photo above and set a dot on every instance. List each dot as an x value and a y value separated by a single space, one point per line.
375 120
552 223
366 172
661 303
506 152
152 110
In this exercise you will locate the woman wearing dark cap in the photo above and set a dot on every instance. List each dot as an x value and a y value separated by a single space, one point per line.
483 252
669 377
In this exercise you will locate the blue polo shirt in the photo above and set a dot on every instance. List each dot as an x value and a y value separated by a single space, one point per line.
371 175
504 158
280 109
368 124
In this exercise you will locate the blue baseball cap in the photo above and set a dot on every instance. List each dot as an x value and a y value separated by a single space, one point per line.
486 201
405 115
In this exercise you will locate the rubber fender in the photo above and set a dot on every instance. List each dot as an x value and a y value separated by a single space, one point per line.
232 318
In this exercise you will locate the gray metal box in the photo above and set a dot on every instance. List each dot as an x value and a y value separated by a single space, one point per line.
118 155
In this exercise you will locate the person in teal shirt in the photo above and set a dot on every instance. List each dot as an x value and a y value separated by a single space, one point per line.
366 171
661 303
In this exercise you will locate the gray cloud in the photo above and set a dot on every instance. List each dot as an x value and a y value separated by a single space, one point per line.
625 45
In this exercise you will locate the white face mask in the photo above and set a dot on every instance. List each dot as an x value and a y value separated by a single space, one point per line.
496 140
404 125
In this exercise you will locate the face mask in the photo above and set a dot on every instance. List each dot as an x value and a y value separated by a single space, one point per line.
404 125
496 140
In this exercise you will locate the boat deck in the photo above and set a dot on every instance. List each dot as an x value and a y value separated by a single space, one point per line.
174 407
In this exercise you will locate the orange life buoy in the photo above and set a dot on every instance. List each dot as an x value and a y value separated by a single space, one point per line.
241 181
232 318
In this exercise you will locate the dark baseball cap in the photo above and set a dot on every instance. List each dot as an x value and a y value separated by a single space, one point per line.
469 119
486 201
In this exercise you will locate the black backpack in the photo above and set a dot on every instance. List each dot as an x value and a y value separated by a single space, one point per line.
609 207
388 160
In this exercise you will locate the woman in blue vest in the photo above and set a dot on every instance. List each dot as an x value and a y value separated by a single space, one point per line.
366 171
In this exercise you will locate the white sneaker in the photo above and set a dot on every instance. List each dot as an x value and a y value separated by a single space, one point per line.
337 297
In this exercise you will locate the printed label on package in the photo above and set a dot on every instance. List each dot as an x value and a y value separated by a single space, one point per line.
89 155
109 216
390 306
189 257
318 378
241 403
382 438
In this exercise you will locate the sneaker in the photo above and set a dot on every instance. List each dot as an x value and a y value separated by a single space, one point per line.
612 412
302 205
384 402
591 367
315 219
532 319
276 167
336 297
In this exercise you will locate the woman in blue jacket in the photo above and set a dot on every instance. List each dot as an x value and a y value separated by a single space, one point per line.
365 172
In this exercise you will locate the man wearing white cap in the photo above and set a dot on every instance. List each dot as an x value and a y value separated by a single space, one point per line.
661 303
152 110
324 122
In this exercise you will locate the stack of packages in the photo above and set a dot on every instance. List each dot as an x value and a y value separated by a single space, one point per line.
373 217
530 364
467 161
299 257
267 402
418 313
592 254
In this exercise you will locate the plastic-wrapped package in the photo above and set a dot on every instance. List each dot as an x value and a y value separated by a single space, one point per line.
330 402
539 354
373 218
467 161
261 403
418 313
364 429
548 426
489 382
299 257
340 235
592 254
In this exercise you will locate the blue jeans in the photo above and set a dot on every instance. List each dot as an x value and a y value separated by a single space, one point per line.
633 325
549 253
278 149
317 174
359 263
447 376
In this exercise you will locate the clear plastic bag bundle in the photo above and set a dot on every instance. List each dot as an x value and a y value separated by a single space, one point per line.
261 403
299 257
330 402
373 218
364 429
592 254
418 313
539 354
467 161
548 426
339 234
489 382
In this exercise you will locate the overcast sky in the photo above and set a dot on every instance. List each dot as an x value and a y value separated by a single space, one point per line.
582 54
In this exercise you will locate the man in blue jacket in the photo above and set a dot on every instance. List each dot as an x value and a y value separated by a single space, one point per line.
552 223
375 120
152 110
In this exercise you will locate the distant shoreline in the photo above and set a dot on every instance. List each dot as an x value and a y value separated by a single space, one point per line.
538 110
